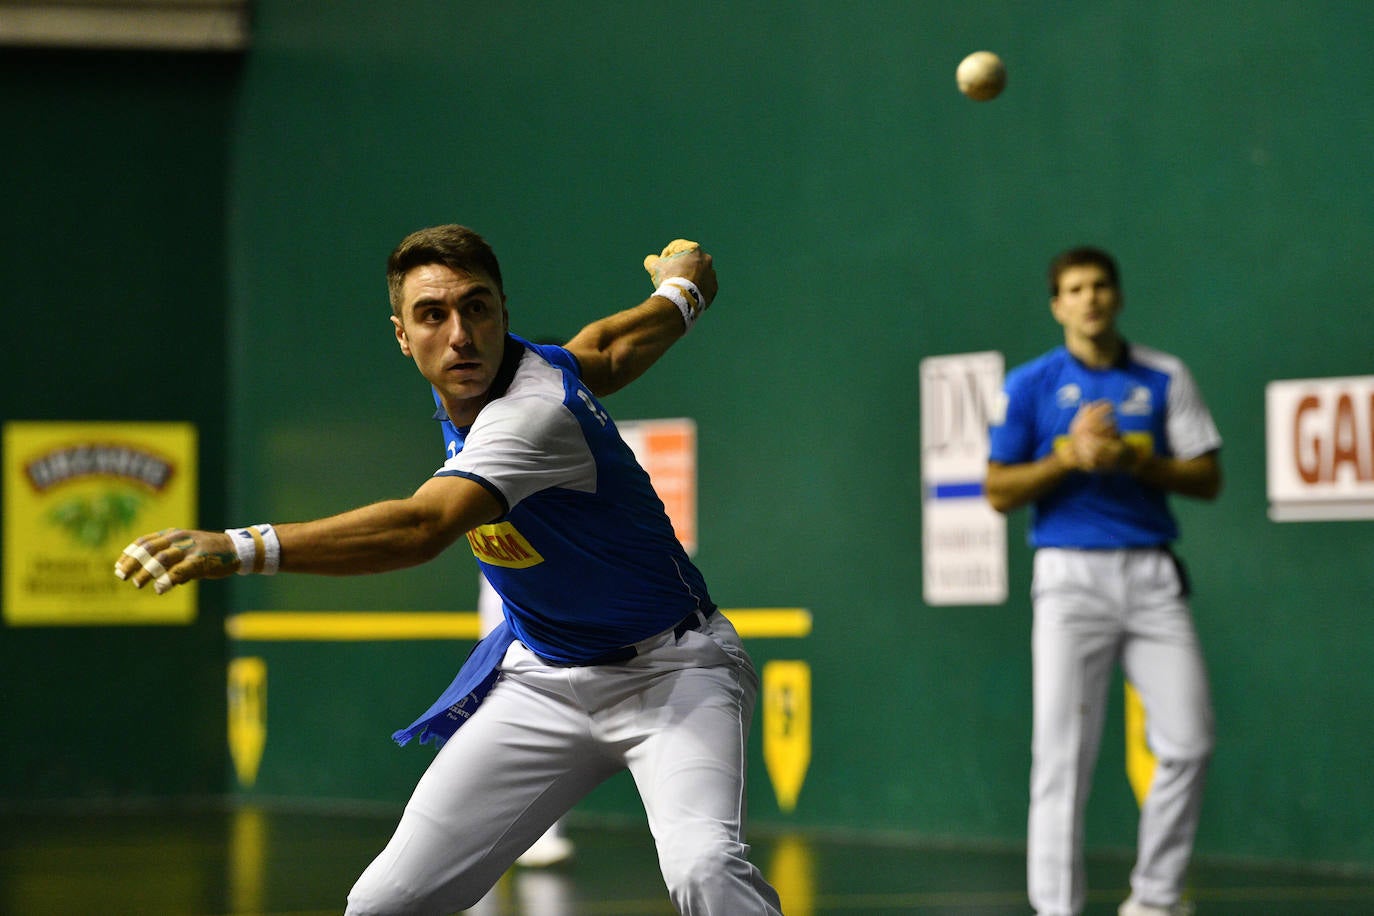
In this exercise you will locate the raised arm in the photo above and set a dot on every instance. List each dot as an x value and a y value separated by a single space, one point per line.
393 534
616 350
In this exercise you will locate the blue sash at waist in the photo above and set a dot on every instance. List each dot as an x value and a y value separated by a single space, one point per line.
465 694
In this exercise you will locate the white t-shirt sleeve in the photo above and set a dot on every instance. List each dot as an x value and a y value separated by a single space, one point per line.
1189 425
522 445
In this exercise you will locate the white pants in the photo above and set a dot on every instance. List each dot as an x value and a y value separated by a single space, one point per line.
677 716
1093 610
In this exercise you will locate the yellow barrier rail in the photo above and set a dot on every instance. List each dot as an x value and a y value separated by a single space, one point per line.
376 626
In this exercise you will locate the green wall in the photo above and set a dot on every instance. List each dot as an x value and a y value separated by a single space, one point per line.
863 215
112 177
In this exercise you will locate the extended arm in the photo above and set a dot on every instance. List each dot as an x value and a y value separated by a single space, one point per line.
383 536
616 350
394 534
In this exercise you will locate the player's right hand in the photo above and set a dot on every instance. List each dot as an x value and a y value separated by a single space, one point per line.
684 258
1095 442
175 556
1094 419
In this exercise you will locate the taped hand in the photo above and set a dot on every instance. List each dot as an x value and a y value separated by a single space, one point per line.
175 556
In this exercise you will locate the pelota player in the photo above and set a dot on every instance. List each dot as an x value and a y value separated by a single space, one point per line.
1095 435
612 654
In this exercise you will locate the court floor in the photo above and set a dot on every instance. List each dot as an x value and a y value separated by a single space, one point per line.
210 862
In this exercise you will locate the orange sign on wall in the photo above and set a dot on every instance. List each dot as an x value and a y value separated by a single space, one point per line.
667 449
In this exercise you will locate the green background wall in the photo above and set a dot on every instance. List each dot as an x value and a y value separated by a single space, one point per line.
112 177
863 215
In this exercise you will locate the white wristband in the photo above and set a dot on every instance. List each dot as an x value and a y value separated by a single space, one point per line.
272 561
684 294
258 548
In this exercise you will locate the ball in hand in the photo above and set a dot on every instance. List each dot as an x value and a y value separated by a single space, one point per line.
676 246
981 76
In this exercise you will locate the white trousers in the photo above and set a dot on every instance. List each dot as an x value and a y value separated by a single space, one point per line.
677 716
1095 609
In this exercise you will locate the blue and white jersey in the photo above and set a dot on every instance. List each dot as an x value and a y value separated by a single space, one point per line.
584 556
1158 409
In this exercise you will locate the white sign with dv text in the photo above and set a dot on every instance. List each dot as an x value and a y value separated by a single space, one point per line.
963 539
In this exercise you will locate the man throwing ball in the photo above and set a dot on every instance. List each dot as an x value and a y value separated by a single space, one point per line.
612 654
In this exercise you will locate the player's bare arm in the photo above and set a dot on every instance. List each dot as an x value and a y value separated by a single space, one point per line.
1087 449
383 536
389 535
1011 486
1198 477
616 350
1091 445
1097 447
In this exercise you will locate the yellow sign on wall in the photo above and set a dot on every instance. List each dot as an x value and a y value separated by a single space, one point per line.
247 715
1140 760
787 728
75 494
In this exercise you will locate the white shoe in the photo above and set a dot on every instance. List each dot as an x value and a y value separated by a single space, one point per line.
549 849
1133 907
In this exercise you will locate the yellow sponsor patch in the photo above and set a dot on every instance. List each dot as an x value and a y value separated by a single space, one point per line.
502 545
1142 442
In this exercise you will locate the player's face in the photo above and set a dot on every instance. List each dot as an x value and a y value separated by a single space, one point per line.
1087 303
453 325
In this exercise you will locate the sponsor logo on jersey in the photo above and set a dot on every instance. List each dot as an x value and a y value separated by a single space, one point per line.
1069 395
1138 402
502 545
1143 442
997 415
592 407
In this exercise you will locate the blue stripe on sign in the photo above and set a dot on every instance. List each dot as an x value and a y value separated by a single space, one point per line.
962 490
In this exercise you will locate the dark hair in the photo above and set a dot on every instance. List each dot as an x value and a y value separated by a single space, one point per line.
1078 257
456 247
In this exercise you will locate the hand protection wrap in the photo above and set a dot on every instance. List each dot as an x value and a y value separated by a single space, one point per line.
258 548
684 294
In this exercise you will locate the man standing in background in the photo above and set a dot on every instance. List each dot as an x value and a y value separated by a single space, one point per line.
1095 435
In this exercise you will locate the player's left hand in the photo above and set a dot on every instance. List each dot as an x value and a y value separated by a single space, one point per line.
1096 418
684 258
175 556
1093 435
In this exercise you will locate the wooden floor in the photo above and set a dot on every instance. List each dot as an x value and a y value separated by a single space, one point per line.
208 862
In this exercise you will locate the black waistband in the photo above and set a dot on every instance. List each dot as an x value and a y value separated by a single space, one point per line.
693 621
